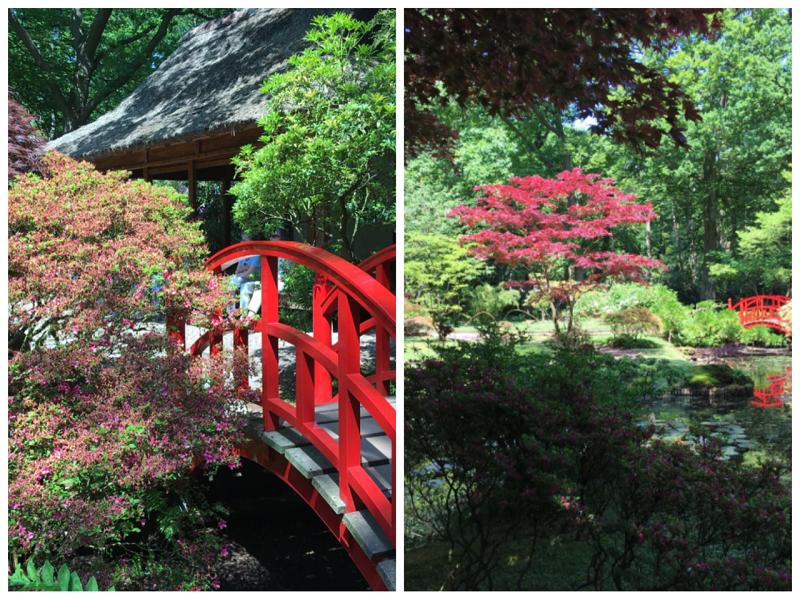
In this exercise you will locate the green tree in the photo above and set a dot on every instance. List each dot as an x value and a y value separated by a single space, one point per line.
740 80
765 250
69 65
328 161
439 273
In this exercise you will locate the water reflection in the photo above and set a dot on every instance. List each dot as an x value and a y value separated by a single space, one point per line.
750 433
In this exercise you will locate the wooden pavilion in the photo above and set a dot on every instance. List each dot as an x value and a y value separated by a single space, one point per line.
196 111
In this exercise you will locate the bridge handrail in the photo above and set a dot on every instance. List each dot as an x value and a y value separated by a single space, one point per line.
762 310
379 262
355 282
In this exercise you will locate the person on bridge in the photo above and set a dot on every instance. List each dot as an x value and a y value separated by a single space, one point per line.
248 274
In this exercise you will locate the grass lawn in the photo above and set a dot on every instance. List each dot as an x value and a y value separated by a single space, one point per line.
418 348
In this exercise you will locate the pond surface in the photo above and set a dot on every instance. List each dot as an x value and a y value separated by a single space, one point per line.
279 543
751 432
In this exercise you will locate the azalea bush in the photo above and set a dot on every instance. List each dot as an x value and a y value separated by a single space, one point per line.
107 417
503 456
685 519
474 473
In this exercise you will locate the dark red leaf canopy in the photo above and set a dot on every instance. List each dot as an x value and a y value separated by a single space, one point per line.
511 59
25 143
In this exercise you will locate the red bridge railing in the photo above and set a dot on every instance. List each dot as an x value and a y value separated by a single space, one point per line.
362 302
762 310
779 386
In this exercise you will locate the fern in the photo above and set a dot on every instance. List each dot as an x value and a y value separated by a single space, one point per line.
46 579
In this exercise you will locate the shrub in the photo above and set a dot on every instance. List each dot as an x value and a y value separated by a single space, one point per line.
414 327
763 336
543 449
710 326
475 474
633 322
660 300
106 419
716 375
687 520
25 143
493 300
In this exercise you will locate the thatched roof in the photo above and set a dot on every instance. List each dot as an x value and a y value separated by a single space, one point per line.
209 85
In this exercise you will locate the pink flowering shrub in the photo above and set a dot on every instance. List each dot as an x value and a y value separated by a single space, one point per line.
107 420
88 250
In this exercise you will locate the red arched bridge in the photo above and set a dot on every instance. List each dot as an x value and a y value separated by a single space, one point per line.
762 310
335 445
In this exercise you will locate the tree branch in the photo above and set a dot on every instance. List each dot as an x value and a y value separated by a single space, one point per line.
528 143
40 62
197 13
146 54
75 28
125 42
96 31
547 123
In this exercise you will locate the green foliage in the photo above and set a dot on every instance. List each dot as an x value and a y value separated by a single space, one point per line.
764 336
45 579
297 302
82 81
740 80
328 160
493 300
765 248
438 272
716 375
710 325
630 324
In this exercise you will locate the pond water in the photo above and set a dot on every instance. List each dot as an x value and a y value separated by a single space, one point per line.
751 432
278 542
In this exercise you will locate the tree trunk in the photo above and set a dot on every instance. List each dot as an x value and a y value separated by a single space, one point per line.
649 250
555 316
710 230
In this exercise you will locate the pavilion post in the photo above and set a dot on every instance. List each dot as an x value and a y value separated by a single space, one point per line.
192 187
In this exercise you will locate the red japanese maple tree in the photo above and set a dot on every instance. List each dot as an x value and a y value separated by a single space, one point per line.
553 228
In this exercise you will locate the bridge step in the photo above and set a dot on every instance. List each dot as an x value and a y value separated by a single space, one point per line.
365 529
375 451
328 485
387 570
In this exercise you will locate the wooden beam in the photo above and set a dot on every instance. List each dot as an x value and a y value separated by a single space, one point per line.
217 146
